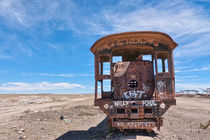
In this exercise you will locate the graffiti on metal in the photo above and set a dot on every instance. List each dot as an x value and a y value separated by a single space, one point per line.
161 86
136 94
134 124
149 103
122 103
121 43
146 103
146 88
133 94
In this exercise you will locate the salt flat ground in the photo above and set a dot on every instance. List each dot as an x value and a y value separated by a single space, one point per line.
37 117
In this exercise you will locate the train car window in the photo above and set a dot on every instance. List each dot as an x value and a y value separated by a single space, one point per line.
107 85
159 63
100 71
106 68
147 57
116 59
154 67
162 62
99 87
166 65
104 65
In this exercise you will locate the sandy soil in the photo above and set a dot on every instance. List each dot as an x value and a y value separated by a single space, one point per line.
69 117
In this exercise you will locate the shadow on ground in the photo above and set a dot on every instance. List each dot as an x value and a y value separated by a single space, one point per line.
100 132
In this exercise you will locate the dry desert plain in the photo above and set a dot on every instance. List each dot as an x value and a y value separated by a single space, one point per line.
69 117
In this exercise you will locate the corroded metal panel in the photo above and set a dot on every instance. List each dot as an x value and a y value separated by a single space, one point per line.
133 80
134 124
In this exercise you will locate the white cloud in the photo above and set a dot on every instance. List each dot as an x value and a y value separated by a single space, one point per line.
69 75
65 75
57 75
201 69
43 86
187 22
86 74
178 68
23 23
176 17
188 76
194 86
48 14
191 69
3 56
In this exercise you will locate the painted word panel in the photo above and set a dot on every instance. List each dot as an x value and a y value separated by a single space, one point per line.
146 103
149 103
133 94
134 124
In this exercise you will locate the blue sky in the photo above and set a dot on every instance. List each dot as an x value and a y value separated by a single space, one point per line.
44 44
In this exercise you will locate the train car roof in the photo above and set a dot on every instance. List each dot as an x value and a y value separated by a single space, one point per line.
148 37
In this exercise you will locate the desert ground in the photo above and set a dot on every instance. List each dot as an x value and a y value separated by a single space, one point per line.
69 117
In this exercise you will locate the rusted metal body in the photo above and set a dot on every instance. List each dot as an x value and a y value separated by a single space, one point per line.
140 82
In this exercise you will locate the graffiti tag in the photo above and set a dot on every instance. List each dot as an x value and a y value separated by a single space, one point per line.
134 124
133 94
146 88
161 86
122 43
149 103
122 103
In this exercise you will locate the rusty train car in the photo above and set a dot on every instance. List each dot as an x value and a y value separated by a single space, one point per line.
134 78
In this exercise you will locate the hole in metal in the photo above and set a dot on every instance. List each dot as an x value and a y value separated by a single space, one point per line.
133 84
120 111
134 110
148 110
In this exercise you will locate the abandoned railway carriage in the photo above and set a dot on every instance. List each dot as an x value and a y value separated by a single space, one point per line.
134 74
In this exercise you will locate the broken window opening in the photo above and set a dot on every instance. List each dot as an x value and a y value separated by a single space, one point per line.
147 57
147 110
162 62
166 65
104 65
106 68
106 85
98 87
134 110
100 70
154 68
120 111
116 59
159 64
